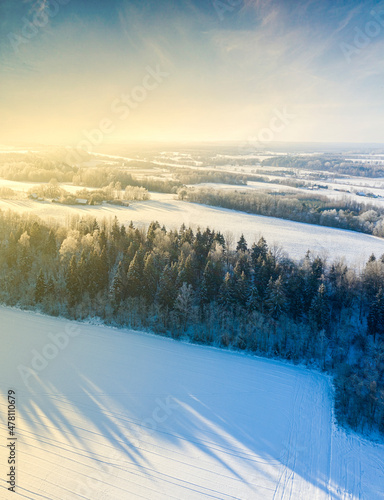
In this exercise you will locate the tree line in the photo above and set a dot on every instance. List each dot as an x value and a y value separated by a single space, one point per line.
331 164
300 207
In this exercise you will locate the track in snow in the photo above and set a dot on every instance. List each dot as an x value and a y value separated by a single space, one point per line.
118 415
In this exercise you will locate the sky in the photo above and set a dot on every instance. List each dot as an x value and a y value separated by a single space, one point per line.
85 73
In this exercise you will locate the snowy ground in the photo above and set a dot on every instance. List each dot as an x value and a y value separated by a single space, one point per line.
329 193
114 414
295 238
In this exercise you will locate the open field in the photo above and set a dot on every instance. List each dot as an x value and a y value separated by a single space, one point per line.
114 414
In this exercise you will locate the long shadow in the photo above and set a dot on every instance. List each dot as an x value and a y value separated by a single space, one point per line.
145 406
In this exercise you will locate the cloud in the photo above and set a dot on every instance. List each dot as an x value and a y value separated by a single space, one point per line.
37 6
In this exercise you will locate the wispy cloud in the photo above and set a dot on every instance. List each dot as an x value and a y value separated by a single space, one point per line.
37 6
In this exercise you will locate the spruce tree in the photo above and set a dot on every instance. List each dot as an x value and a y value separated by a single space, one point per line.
116 291
276 300
150 278
135 276
259 250
241 245
72 282
209 283
376 316
167 290
319 312
40 288
227 293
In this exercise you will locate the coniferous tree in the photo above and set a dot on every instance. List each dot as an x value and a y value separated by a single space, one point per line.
72 282
189 271
259 250
50 289
319 312
135 275
227 293
184 304
376 316
150 278
242 245
40 288
50 246
254 302
83 272
117 287
167 290
276 300
241 289
211 280
242 266
115 230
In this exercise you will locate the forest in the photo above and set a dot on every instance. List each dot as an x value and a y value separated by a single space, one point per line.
199 285
301 207
334 165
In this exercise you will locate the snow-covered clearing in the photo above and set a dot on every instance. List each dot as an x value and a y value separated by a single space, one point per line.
115 414
295 237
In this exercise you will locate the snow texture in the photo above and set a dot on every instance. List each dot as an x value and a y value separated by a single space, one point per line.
115 414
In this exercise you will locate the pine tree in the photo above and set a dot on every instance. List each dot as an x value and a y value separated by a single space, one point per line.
83 272
150 278
376 315
95 226
253 300
72 282
151 234
186 236
227 293
135 275
184 304
50 246
101 277
50 289
259 250
167 290
276 300
220 239
116 291
241 289
242 266
188 272
210 283
319 312
372 258
40 288
115 230
241 245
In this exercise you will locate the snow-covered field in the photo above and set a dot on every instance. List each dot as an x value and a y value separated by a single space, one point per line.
330 193
295 237
113 414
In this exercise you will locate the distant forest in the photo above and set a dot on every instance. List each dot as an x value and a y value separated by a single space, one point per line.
334 165
37 169
200 286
